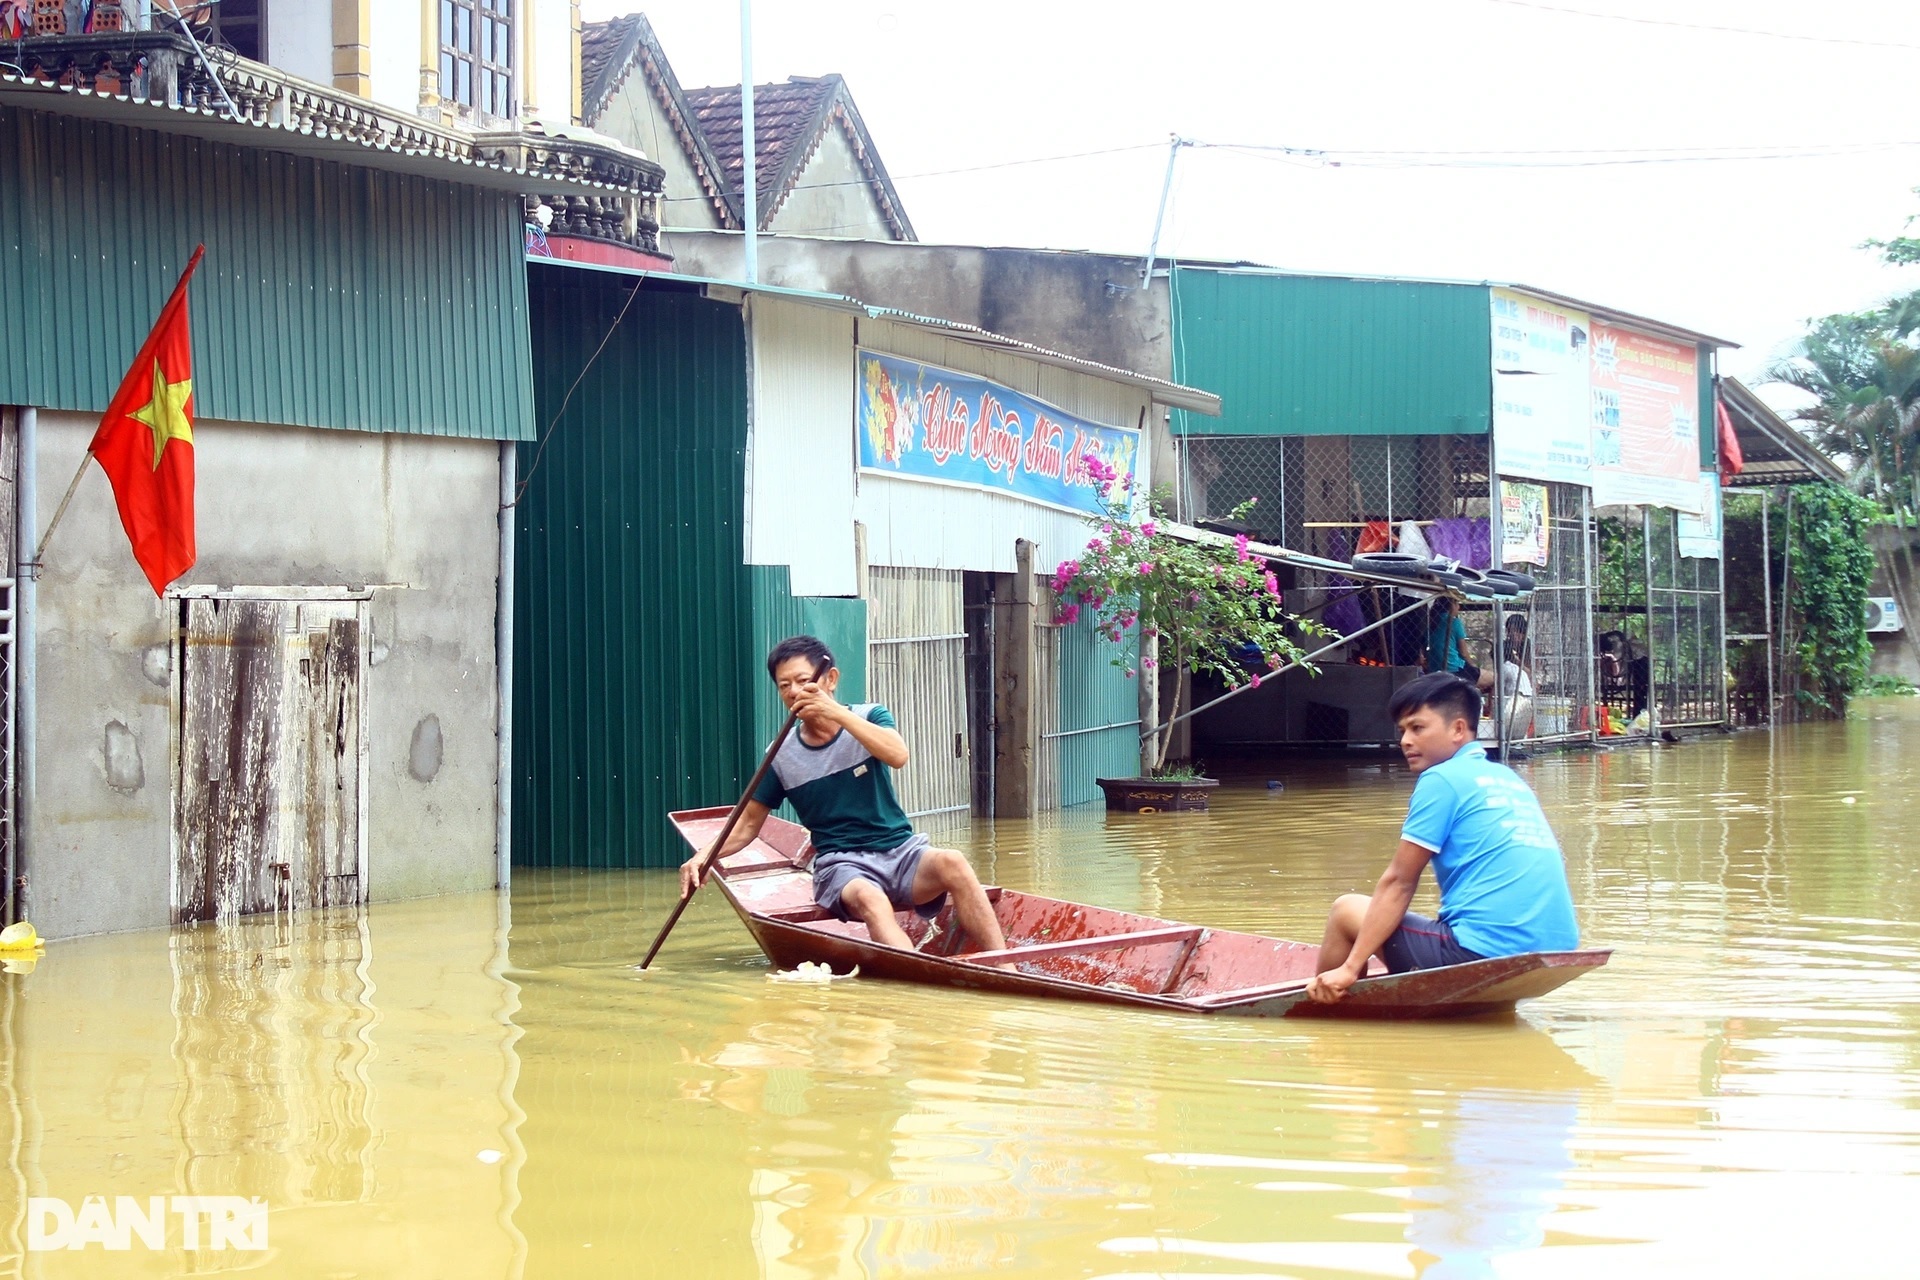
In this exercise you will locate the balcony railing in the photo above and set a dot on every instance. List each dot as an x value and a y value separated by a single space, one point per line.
164 66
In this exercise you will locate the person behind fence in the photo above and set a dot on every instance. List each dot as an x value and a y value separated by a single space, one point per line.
1516 679
1447 642
835 768
1503 886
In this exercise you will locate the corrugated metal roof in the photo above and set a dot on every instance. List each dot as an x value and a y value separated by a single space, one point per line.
1296 355
1774 452
1613 315
331 295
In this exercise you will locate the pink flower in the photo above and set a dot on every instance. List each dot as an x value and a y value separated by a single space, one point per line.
1153 633
1193 597
1096 547
1148 663
1126 620
1256 679
1240 546
1068 613
1273 662
1149 528
1146 567
1272 586
1129 673
1216 573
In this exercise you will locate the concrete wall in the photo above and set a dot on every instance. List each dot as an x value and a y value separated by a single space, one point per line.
634 116
1084 304
1897 574
413 517
832 196
300 38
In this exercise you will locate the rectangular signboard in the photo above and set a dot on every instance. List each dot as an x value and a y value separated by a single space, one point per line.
921 422
1646 425
1541 420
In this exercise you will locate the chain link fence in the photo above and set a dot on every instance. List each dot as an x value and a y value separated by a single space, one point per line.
1546 669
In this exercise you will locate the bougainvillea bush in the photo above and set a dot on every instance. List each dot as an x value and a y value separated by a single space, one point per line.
1211 607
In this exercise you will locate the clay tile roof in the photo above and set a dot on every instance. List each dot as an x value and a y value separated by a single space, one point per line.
604 49
787 120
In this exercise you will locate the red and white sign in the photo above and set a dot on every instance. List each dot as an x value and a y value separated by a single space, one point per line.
1646 424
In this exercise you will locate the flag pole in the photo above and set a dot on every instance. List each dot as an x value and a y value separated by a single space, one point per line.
40 551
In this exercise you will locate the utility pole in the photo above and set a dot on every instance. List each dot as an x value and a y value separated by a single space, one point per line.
1159 218
749 169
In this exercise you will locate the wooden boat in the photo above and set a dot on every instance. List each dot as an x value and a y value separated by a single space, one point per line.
1070 951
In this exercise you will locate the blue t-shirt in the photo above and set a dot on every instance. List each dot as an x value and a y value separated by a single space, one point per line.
1503 887
1443 645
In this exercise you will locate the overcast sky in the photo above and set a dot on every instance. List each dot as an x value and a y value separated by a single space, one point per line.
1745 249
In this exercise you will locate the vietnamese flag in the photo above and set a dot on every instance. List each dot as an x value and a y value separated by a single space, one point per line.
145 444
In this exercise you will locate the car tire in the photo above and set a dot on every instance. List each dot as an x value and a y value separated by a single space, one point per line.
1394 564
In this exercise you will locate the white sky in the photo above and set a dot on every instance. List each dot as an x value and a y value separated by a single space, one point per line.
1743 249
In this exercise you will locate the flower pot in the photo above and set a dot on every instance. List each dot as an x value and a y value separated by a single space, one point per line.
1156 795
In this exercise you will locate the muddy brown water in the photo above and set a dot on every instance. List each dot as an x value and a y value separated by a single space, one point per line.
484 1087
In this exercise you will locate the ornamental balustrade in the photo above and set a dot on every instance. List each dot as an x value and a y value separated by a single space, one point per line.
164 66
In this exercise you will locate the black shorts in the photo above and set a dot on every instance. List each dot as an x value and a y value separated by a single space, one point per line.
1420 943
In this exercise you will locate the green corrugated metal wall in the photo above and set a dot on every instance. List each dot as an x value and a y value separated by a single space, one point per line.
1094 692
1311 355
635 664
1709 426
331 295
777 613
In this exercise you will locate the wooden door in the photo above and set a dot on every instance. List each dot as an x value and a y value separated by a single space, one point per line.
270 757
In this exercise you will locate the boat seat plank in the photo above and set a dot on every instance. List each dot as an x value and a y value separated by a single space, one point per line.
1250 993
1079 946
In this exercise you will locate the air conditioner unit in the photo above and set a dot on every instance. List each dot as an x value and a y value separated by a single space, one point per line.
1883 614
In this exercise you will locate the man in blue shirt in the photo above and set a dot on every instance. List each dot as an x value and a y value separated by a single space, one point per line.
1503 887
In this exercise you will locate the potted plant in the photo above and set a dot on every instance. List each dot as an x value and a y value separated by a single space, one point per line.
1172 604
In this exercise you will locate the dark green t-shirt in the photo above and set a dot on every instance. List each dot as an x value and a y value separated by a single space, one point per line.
841 794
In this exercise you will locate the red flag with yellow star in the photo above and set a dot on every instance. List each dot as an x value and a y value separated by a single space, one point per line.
145 444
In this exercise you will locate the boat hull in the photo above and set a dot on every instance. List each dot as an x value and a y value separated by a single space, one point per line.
1071 951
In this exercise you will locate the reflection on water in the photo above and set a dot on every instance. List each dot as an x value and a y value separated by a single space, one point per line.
478 1087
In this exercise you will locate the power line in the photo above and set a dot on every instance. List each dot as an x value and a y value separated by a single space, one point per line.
973 168
1558 158
1853 41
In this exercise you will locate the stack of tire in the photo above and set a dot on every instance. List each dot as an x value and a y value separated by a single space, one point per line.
1484 584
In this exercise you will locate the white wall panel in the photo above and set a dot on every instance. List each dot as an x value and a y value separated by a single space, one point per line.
800 465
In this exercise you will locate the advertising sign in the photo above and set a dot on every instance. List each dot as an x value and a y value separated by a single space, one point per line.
1541 418
1699 536
1523 520
921 422
1646 430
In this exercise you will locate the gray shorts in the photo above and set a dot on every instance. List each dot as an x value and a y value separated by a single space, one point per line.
891 869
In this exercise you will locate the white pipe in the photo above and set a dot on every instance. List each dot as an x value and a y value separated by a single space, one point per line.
503 672
749 168
26 614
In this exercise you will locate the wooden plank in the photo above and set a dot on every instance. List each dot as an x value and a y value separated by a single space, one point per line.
1251 993
1079 946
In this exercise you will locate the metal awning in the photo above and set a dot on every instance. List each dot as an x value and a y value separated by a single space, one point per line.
1774 452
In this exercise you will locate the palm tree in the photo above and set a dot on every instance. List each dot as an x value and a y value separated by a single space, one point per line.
1865 383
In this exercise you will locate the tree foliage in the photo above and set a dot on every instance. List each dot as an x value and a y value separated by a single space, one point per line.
1831 569
1862 371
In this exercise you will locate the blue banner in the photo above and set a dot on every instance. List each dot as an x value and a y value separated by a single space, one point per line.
920 422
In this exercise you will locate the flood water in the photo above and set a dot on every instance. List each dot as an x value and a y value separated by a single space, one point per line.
484 1087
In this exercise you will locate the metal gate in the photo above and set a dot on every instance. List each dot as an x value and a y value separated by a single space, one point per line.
1547 694
1684 629
917 668
271 757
